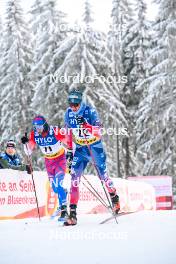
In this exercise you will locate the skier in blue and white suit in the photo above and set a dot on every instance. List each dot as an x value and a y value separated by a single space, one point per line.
84 123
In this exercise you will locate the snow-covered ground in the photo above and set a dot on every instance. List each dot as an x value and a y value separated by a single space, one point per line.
145 237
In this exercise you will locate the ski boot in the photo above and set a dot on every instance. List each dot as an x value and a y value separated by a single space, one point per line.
115 202
64 214
72 220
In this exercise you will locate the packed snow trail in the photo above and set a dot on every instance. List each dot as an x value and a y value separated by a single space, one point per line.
144 237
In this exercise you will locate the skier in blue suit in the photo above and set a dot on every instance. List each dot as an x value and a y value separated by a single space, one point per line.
79 118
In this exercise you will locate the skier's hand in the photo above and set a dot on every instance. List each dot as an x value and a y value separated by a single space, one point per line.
69 155
69 158
24 140
28 169
80 120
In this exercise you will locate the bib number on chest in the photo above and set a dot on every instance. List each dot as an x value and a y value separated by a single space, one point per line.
83 137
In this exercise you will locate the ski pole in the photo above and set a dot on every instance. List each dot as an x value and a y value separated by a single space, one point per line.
32 175
93 161
97 197
95 193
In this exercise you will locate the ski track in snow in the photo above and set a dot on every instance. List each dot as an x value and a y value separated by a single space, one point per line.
146 237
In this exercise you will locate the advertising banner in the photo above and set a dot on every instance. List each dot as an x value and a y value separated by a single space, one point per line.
17 197
163 190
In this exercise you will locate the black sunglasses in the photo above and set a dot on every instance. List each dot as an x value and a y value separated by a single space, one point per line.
74 104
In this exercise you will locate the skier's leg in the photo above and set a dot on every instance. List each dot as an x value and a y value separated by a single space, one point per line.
50 168
56 172
99 157
77 169
60 169
78 165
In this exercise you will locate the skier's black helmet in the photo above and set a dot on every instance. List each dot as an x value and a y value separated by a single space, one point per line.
74 97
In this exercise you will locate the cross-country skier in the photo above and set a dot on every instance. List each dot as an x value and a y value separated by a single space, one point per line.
82 115
50 140
9 159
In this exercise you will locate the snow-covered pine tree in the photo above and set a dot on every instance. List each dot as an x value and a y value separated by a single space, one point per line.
85 64
157 112
87 16
37 17
1 36
16 84
1 73
136 47
115 56
121 14
121 36
50 29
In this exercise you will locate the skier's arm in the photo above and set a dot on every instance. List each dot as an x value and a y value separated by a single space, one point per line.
29 143
69 132
94 124
65 136
94 118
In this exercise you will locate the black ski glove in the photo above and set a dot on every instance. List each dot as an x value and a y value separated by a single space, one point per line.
80 120
24 140
69 158
28 169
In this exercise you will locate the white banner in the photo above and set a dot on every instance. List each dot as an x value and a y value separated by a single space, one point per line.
163 189
17 197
